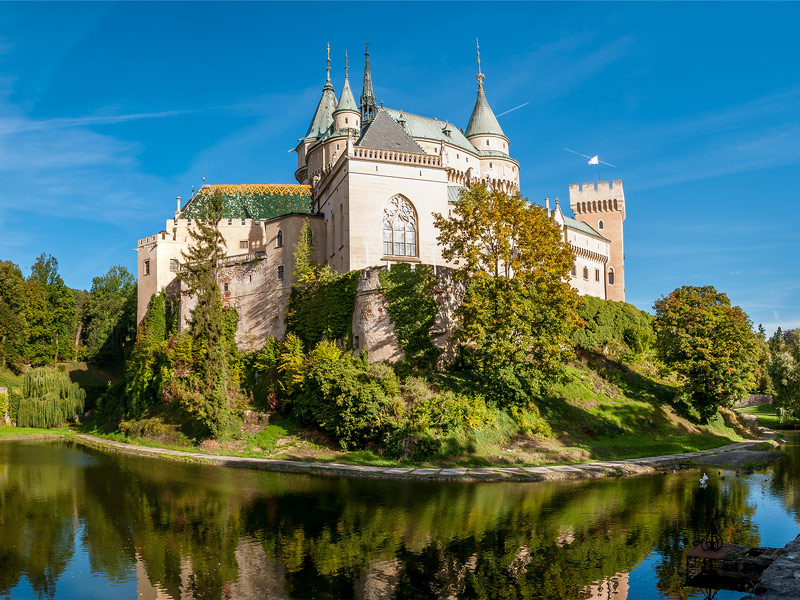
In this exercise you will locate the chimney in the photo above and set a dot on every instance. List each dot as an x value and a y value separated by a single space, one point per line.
547 206
178 207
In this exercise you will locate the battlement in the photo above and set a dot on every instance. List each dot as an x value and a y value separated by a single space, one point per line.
603 196
592 189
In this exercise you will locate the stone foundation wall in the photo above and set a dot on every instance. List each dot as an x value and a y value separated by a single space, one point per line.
754 400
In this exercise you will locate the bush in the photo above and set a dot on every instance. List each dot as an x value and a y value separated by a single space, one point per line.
49 398
155 429
339 397
613 328
261 374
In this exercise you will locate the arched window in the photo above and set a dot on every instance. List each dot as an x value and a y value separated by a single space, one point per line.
600 224
280 239
611 277
399 228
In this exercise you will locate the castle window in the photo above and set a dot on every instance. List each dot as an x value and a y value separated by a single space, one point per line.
280 239
230 221
146 267
597 274
345 121
487 142
490 165
611 277
225 287
586 272
600 225
574 271
281 272
399 228
243 244
173 265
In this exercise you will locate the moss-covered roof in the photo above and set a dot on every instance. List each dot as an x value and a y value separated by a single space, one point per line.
253 201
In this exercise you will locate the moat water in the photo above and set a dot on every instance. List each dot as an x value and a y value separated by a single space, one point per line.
80 523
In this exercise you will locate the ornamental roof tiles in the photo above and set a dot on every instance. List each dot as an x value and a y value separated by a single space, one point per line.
253 201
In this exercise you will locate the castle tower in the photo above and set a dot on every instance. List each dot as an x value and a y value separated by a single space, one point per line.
323 116
483 130
368 105
346 115
602 207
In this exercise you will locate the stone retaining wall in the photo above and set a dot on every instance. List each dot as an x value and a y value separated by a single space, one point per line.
754 400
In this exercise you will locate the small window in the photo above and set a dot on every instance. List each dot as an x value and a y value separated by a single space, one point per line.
230 221
611 277
597 274
173 265
146 267
586 272
457 156
487 142
345 121
490 165
243 244
600 225
281 272
280 239
225 287
574 272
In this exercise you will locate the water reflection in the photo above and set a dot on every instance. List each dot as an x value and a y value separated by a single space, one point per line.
166 530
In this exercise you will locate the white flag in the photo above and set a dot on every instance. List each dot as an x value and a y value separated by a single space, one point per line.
594 160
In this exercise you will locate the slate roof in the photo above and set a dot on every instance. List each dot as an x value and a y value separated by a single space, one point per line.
483 120
346 100
431 129
253 201
384 133
454 192
323 117
583 228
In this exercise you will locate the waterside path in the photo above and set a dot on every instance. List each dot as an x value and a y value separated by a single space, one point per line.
741 455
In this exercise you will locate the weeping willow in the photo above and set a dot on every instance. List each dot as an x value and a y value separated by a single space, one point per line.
49 398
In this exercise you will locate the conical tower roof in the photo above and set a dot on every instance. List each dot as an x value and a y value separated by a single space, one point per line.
347 101
482 121
323 117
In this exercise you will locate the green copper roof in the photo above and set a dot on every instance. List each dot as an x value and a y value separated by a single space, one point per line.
347 101
454 193
323 117
432 129
258 201
583 228
483 120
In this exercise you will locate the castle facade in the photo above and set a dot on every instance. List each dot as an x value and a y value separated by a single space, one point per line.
369 179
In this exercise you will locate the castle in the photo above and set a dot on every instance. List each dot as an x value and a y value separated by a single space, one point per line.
369 180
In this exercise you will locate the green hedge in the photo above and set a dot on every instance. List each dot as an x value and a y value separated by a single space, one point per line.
613 327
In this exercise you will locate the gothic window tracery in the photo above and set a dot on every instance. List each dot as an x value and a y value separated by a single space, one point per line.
399 228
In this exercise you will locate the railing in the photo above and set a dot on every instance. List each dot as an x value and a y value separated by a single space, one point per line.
411 158
243 258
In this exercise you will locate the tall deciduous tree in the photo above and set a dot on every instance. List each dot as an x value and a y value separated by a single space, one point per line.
710 343
109 315
51 316
212 331
13 326
784 371
519 309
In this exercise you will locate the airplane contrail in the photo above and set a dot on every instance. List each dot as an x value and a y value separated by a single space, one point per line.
513 109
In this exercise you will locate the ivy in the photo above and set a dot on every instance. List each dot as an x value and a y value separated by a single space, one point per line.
413 311
325 312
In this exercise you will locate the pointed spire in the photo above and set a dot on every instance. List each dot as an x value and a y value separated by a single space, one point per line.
482 120
323 116
368 106
346 100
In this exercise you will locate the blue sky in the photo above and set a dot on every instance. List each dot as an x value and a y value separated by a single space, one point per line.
109 111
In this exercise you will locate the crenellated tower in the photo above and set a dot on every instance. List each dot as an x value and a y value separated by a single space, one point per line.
602 207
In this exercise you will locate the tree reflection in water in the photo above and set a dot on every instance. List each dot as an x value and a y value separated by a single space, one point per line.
190 531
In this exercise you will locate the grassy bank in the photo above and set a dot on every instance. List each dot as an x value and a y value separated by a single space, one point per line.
15 432
768 417
605 411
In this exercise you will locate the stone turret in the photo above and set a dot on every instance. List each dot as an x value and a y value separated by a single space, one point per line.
369 107
602 207
323 116
346 115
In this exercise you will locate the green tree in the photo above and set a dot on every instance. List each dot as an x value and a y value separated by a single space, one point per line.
51 317
214 376
710 343
307 275
109 315
784 371
13 325
519 310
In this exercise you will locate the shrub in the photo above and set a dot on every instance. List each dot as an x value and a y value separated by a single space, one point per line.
261 374
154 429
613 328
49 398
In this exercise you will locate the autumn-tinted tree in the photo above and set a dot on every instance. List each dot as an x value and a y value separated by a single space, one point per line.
519 309
710 343
212 329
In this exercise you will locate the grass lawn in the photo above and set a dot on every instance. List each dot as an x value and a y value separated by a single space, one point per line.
768 417
13 432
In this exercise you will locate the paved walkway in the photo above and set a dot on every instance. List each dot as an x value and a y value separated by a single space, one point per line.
630 466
